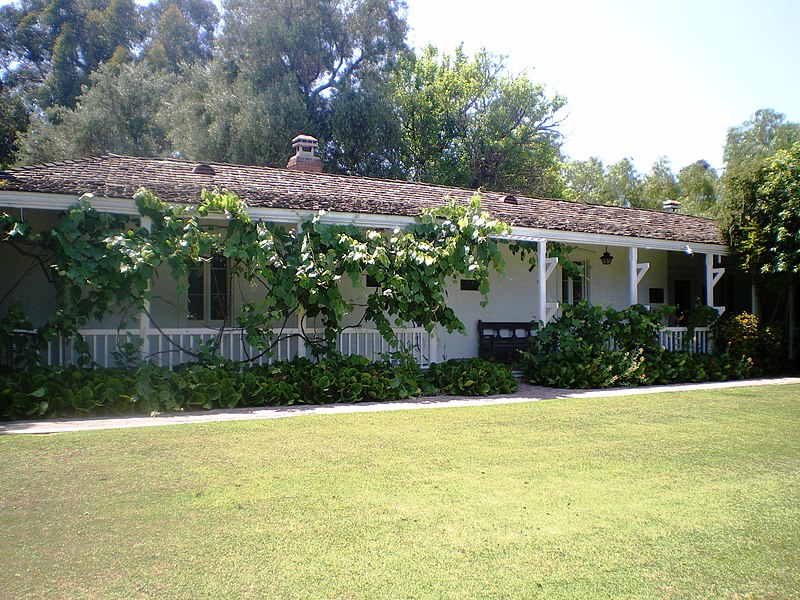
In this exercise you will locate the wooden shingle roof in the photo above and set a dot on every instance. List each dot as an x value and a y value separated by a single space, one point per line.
173 180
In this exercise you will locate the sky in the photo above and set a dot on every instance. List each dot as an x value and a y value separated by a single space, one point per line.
643 79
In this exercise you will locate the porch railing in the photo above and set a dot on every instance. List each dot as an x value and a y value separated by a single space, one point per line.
675 339
171 347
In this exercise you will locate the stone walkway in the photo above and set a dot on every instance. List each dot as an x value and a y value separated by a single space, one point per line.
526 393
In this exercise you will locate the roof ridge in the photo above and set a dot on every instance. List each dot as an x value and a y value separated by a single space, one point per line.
293 182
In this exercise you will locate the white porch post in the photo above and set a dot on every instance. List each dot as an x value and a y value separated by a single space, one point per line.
636 272
633 284
541 270
433 348
144 316
301 315
713 275
544 268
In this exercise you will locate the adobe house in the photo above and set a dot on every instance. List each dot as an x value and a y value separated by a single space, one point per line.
626 255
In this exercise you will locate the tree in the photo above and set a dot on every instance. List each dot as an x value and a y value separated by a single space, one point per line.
659 185
364 133
755 215
181 32
121 112
623 184
767 238
13 120
590 181
698 184
466 122
320 45
585 180
213 118
747 147
52 46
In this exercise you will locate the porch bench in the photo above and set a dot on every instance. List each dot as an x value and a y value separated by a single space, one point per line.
502 340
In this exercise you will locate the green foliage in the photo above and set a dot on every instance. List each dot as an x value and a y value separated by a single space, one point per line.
102 263
121 112
766 239
695 185
115 76
659 185
698 183
743 336
467 123
594 347
182 31
14 118
337 379
749 149
472 377
683 367
590 181
597 347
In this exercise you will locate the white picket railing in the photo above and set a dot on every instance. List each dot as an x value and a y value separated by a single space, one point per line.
171 347
674 339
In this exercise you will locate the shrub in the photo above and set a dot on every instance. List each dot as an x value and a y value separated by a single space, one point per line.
471 377
149 389
596 347
683 367
743 336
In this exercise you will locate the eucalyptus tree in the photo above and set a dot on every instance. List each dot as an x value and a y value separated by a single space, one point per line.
120 112
591 181
320 45
180 32
698 183
50 47
467 122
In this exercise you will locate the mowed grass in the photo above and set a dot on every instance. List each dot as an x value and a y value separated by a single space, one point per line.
673 495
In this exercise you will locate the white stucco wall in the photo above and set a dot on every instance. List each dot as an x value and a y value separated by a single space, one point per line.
513 295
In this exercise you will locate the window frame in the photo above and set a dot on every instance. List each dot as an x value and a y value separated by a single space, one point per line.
203 288
567 287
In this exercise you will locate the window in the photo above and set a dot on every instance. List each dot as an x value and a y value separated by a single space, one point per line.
469 285
209 290
656 296
575 289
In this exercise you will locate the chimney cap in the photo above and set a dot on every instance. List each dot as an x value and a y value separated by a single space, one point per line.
670 205
306 156
304 140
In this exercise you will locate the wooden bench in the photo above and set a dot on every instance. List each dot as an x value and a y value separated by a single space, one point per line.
502 340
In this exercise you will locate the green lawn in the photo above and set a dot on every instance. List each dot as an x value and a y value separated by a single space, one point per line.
671 495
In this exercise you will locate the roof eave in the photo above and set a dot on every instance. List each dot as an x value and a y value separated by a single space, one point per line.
45 201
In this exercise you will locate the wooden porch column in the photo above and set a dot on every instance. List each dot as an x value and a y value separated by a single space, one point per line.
713 275
541 270
636 272
544 268
302 351
144 316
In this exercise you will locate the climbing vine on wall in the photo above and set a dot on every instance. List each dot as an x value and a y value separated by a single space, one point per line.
103 264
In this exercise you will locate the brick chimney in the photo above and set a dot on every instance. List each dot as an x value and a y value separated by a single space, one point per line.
306 150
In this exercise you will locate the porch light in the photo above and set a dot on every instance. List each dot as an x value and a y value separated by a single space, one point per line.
606 258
